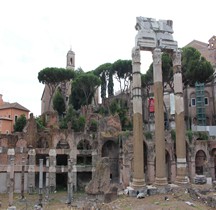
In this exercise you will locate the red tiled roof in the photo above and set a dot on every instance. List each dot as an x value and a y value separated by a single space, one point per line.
15 105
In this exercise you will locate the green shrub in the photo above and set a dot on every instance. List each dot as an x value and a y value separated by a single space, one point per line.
93 125
189 134
40 123
20 123
201 135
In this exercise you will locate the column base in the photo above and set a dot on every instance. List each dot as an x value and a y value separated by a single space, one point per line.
161 181
138 183
182 180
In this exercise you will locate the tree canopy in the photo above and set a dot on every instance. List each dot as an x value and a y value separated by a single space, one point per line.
20 123
52 77
59 102
104 72
83 89
122 70
195 68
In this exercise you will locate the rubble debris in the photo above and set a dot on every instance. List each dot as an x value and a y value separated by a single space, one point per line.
200 179
189 203
140 195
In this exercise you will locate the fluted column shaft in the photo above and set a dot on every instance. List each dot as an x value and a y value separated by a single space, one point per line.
181 173
161 178
138 166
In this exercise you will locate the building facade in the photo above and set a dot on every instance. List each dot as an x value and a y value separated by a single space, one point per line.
65 86
9 112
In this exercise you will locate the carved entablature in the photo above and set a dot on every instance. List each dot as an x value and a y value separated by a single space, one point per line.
152 34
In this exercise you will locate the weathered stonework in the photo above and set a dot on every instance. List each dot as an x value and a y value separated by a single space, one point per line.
156 36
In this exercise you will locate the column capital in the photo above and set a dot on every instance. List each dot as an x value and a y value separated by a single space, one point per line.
136 55
156 55
176 57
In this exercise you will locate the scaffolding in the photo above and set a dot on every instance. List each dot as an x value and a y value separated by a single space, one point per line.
200 103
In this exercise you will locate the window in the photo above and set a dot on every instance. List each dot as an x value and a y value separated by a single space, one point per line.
206 101
193 102
15 117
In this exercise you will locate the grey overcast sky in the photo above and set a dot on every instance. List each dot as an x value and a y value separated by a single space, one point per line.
38 34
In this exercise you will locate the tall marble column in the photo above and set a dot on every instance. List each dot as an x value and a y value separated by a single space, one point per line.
161 178
181 173
138 160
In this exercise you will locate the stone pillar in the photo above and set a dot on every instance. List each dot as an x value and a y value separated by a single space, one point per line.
151 172
161 178
31 171
23 178
70 182
181 173
40 181
52 169
10 155
138 137
47 179
173 171
192 169
11 188
94 161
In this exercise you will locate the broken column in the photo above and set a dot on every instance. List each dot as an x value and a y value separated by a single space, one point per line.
47 179
181 173
52 169
161 178
70 182
138 166
31 171
40 181
23 179
11 186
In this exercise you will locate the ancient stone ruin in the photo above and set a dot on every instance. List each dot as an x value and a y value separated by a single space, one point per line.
105 160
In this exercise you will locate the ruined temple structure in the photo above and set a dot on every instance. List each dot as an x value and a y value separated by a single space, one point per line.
102 160
56 147
156 37
98 160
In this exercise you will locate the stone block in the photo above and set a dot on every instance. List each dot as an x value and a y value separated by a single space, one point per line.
152 191
12 208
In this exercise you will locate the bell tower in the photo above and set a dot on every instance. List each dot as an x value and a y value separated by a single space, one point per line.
70 60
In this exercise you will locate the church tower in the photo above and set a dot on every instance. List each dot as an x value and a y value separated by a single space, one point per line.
66 87
70 60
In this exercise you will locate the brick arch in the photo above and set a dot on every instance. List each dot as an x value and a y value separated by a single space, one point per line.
110 149
62 144
84 144
42 143
200 161
213 155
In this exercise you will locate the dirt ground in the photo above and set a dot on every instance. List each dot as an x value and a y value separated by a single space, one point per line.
57 201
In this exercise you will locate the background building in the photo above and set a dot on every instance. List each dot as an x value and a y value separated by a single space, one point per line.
9 113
